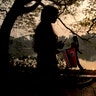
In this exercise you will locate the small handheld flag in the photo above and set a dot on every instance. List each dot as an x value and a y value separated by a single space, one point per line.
70 57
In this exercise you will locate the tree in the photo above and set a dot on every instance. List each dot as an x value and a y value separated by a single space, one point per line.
18 8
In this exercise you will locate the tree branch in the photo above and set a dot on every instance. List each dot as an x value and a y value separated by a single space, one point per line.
71 30
93 22
32 8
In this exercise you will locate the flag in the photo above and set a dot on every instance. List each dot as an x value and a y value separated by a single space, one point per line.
70 57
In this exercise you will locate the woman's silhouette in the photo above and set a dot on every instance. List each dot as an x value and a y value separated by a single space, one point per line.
75 44
46 44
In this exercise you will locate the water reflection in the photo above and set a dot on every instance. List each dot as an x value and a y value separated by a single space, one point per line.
89 65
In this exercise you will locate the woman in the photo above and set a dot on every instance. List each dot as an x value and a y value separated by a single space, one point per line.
46 44
75 44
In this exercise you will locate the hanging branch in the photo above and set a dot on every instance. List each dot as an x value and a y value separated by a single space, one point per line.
71 30
68 27
93 22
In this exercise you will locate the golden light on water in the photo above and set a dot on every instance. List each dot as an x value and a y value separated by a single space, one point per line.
88 64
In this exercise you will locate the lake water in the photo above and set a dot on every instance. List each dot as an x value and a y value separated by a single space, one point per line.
88 64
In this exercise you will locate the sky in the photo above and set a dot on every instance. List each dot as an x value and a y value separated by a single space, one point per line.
70 19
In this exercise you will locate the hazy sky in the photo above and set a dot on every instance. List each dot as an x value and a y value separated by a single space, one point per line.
70 19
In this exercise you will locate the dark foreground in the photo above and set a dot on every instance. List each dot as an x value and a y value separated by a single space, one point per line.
70 83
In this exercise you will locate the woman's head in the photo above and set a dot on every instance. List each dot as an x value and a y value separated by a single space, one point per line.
75 38
49 14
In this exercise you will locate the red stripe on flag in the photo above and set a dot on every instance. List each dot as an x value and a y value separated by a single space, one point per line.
70 57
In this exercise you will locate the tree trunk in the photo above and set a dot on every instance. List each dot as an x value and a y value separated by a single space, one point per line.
16 10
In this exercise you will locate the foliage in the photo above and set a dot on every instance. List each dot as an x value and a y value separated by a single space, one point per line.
27 63
85 23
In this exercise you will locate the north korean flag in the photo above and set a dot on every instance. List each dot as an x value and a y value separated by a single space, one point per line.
70 57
